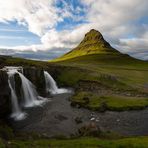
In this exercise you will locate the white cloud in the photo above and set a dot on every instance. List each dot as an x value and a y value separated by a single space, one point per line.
25 48
12 37
12 30
38 15
135 44
119 21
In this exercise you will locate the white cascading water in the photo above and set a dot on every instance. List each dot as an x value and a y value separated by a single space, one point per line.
29 92
51 86
17 113
30 95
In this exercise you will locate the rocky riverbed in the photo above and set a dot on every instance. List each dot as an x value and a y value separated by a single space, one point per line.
57 117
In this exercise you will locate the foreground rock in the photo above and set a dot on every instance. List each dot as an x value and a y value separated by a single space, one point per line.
4 95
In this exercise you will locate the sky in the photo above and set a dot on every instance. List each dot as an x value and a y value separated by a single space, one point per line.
46 29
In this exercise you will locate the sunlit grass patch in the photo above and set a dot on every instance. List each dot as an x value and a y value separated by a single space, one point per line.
115 103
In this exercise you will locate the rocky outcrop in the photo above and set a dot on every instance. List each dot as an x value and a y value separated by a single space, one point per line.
55 70
94 37
36 76
4 95
18 86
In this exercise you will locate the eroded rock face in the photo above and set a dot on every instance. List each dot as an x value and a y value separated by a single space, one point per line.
36 76
4 95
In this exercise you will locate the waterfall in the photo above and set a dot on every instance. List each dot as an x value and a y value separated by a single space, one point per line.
17 113
51 86
30 94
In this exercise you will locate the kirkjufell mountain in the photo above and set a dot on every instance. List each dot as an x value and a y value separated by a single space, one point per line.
93 43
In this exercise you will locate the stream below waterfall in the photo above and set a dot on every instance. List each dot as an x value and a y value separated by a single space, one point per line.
57 117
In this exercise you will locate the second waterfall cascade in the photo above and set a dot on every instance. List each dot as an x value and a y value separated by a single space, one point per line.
51 86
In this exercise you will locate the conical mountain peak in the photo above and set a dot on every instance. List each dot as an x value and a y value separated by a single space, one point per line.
94 37
93 43
94 34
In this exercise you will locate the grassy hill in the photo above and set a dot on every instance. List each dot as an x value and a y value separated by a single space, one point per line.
93 43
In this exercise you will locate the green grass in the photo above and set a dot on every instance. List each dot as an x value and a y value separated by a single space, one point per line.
114 103
71 77
10 61
138 142
129 71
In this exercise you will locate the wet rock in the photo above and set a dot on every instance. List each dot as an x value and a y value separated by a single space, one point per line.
4 95
60 117
78 106
36 76
18 84
103 107
97 120
75 104
78 120
90 129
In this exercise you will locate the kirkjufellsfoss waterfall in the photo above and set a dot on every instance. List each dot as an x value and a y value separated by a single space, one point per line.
51 86
29 94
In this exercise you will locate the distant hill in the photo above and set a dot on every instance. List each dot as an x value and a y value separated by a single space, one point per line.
93 43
